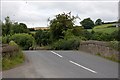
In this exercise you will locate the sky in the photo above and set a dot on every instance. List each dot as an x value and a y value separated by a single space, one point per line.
35 13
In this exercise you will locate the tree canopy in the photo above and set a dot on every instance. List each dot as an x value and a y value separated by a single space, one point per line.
9 27
98 22
87 23
60 24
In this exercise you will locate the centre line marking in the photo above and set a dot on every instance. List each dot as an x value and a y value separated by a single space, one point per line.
56 53
83 67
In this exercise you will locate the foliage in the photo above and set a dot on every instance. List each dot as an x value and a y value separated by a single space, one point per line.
6 39
10 62
101 36
98 22
0 39
9 28
62 44
12 43
6 26
60 24
105 36
19 28
77 32
31 29
42 37
115 35
11 55
114 44
23 40
102 26
87 23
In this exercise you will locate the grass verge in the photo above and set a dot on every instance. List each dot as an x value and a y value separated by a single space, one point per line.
112 58
11 62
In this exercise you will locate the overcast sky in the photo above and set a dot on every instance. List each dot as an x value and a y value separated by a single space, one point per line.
36 13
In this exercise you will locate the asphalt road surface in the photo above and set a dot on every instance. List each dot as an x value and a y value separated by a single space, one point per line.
63 64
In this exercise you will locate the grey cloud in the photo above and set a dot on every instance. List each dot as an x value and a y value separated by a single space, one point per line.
36 13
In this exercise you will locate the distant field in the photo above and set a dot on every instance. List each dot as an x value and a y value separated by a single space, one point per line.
104 28
33 32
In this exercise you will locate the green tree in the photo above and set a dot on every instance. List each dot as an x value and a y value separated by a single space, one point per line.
42 37
9 28
87 23
98 22
6 26
19 28
60 24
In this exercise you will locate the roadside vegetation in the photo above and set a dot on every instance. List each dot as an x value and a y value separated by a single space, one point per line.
62 34
12 55
104 28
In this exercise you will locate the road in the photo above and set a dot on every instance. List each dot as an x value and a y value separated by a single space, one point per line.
63 64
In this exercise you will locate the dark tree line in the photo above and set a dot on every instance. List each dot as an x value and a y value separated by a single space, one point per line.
9 28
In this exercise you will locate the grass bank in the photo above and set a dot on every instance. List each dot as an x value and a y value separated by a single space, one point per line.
12 55
11 62
105 28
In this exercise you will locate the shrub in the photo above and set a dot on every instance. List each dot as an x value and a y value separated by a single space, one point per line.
0 39
42 37
12 43
101 36
114 44
5 39
63 44
25 41
115 35
10 62
69 35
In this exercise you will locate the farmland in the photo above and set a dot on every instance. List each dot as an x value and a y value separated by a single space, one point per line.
105 28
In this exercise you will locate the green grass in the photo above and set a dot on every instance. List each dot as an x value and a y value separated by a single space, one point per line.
33 32
10 62
112 58
104 28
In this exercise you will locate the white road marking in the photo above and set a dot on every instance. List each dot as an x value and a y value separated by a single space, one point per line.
56 53
83 67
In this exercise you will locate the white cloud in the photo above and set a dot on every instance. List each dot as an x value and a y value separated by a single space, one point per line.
36 13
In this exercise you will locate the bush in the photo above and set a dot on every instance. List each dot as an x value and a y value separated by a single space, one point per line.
12 43
69 35
101 36
42 37
62 44
5 39
114 44
25 41
10 62
115 35
105 36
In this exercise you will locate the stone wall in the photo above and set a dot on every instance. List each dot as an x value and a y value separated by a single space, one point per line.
99 48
